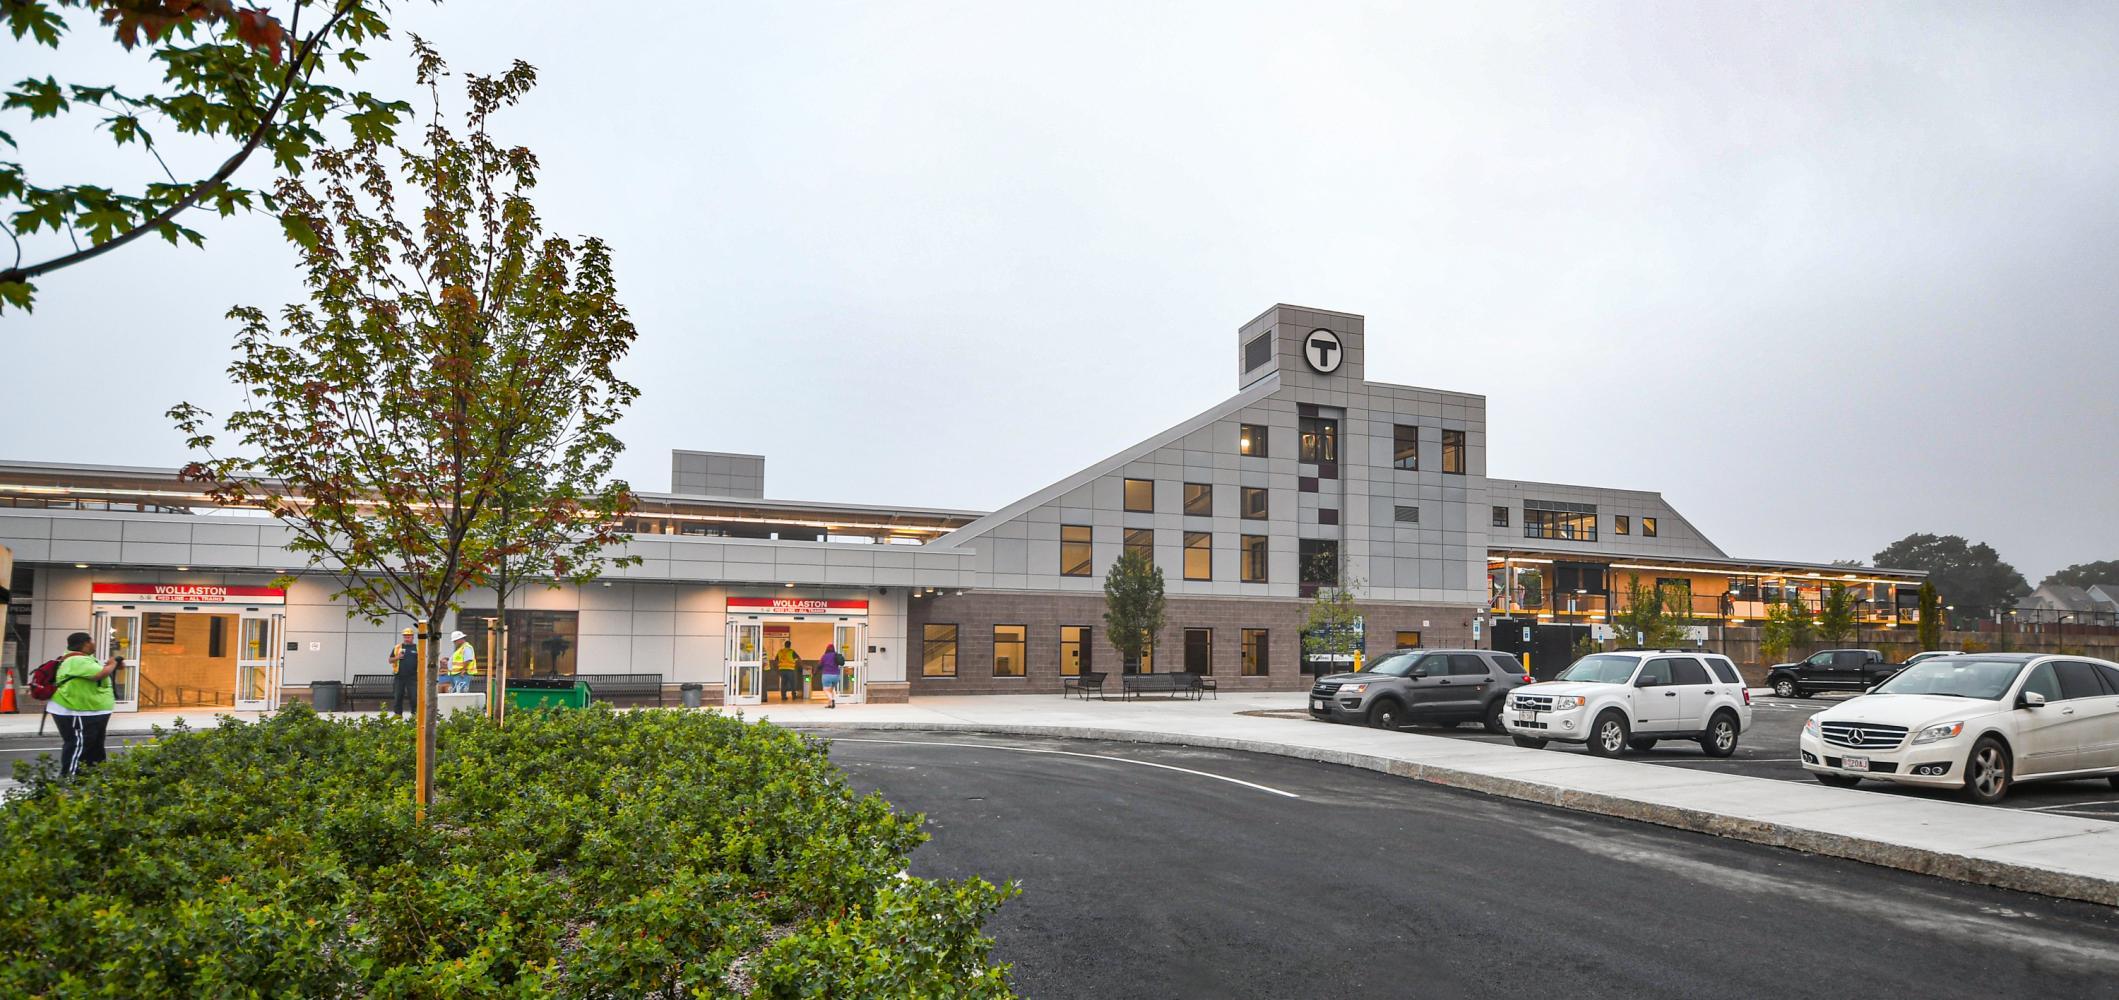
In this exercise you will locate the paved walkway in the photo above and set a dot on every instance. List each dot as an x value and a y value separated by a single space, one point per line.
2017 849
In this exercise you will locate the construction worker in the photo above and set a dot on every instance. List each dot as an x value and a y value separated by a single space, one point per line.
463 663
404 673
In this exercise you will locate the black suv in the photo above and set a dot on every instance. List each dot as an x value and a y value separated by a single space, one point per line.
1830 670
1435 686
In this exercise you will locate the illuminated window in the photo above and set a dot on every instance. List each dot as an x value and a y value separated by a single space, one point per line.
1254 559
1140 496
1076 550
938 651
1008 644
1074 650
1648 527
1199 500
1141 541
1199 555
1621 524
1254 503
1453 452
1254 652
1251 440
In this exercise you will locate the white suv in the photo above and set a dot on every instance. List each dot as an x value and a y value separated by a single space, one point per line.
1980 722
1635 698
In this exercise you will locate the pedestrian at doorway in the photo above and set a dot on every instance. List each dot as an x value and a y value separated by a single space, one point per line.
788 664
404 674
82 703
828 672
463 663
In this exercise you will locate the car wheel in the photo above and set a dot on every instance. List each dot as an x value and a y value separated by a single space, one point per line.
1608 737
1530 742
1493 718
1785 687
1988 773
1837 780
1386 713
1720 738
1641 745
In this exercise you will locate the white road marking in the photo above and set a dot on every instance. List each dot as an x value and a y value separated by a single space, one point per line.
1071 753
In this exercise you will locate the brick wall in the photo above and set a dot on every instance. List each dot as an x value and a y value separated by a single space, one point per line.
975 614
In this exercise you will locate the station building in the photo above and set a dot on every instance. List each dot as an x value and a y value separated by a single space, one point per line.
1309 474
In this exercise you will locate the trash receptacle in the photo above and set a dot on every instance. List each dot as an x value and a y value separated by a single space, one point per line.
326 696
691 694
543 692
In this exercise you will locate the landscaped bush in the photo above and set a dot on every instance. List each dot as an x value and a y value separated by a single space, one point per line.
573 853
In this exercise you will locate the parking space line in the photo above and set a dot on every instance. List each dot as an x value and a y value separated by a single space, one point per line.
1071 753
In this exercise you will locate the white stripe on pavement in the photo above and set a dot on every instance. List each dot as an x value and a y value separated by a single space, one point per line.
1071 753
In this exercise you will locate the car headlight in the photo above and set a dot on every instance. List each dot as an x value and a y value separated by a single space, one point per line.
1346 689
1567 701
1810 726
1941 732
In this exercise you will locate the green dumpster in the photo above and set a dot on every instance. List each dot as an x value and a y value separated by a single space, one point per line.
547 693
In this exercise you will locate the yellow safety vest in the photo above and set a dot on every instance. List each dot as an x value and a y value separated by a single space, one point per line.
464 661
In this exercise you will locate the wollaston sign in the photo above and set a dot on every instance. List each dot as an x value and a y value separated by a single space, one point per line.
184 593
794 606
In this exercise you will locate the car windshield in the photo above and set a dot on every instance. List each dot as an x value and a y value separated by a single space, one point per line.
1393 664
1600 670
1956 677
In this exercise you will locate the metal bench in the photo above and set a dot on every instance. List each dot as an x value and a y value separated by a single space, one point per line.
376 688
1085 683
608 686
1172 684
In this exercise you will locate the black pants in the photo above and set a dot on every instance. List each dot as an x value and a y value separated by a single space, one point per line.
80 741
402 688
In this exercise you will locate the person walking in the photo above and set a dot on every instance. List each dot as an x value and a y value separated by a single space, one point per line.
463 663
404 675
82 703
788 664
828 672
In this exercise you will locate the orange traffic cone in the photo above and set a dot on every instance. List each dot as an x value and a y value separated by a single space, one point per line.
7 694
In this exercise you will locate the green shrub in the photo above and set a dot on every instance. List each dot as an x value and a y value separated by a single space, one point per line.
573 854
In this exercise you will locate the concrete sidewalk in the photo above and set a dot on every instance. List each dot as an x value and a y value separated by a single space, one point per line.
2011 848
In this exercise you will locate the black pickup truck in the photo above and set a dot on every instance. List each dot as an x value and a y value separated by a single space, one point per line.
1830 670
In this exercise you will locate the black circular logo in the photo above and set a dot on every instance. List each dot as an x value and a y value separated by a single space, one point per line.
1321 349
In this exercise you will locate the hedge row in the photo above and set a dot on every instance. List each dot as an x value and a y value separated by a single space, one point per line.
573 854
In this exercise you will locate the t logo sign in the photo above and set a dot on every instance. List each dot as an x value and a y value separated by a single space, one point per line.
1321 349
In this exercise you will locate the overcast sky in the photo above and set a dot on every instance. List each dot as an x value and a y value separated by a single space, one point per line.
1823 275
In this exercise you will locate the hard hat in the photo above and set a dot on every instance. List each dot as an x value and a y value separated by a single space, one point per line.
457 636
408 631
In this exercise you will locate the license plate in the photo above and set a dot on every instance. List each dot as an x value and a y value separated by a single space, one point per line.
1317 704
1854 763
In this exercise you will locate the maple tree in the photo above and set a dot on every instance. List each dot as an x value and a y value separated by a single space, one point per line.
242 75
438 414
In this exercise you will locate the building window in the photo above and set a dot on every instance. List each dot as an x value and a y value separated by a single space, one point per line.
1140 496
1258 351
1199 651
1199 555
1254 559
1320 561
1251 440
1254 503
1319 440
1501 518
1199 500
1621 524
1075 651
938 651
1406 640
1405 515
1076 550
1565 525
1327 515
1648 527
1453 452
1141 542
540 643
1254 652
1008 643
1405 450
1147 655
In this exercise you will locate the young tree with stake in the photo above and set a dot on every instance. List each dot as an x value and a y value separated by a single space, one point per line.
440 409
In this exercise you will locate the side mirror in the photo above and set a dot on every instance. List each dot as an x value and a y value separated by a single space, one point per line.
1648 682
2031 699
1417 674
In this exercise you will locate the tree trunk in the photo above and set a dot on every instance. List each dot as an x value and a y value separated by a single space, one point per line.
496 668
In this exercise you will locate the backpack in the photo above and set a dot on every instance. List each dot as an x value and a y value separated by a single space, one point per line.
44 681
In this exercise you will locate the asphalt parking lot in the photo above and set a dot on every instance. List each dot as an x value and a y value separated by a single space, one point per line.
1768 750
1162 871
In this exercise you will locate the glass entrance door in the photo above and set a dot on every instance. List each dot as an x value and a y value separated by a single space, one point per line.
744 680
258 661
852 641
118 634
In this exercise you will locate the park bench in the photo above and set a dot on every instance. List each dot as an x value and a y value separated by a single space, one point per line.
1172 684
376 688
608 686
1085 683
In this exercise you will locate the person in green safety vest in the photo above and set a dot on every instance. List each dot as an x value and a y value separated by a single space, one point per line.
463 663
789 664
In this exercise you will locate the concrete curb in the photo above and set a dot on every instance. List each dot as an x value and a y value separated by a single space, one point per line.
1962 868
